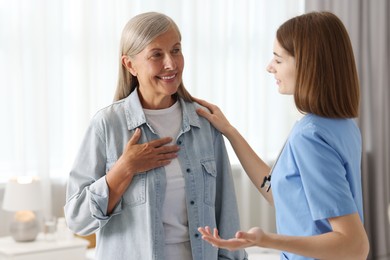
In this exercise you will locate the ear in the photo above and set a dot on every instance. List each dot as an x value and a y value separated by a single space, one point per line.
128 64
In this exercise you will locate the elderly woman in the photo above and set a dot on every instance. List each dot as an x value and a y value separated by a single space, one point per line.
150 171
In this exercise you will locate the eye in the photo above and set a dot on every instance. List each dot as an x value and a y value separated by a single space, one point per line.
176 50
277 61
156 55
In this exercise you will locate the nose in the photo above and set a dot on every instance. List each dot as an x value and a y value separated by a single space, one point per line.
270 68
169 62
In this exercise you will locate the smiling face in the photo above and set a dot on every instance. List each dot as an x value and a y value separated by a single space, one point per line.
159 69
283 67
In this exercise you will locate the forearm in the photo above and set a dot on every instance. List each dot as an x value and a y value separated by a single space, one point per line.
332 245
255 168
118 179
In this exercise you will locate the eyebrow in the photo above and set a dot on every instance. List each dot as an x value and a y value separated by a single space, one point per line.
277 54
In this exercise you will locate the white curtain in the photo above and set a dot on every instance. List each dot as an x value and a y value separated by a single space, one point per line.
59 64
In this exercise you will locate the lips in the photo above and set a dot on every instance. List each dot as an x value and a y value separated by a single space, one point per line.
167 77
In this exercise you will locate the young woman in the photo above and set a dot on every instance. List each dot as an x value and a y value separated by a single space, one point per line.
315 186
144 196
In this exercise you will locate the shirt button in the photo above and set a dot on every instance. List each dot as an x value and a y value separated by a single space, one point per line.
179 142
188 170
196 235
192 202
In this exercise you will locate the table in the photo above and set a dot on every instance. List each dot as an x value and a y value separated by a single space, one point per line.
41 249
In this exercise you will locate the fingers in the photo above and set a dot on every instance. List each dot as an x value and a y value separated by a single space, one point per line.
211 237
202 102
160 142
215 240
165 151
166 156
135 138
206 104
208 236
216 235
246 236
203 113
206 232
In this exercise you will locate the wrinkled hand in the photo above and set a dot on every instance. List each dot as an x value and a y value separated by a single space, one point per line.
242 239
138 158
215 116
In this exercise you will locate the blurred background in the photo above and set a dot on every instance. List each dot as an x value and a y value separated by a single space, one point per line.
59 63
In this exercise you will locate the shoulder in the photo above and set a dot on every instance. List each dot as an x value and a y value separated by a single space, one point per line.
312 124
189 110
333 132
109 110
109 115
191 116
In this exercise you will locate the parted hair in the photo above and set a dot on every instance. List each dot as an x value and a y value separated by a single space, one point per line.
140 31
327 82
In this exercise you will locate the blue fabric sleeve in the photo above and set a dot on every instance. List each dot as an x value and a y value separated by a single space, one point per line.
323 175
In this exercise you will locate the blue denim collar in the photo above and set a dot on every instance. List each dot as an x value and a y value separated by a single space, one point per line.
135 116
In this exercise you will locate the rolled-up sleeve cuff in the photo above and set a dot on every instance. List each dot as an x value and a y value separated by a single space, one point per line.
99 200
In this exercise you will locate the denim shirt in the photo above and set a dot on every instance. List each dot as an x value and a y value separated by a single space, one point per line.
134 230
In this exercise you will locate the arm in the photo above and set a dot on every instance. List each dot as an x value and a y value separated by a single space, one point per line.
253 165
348 240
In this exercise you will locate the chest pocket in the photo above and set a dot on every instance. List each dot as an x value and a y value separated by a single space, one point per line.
135 194
209 176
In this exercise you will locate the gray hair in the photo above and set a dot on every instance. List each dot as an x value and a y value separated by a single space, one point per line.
140 31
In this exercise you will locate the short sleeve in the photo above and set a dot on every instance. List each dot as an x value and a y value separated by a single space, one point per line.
324 177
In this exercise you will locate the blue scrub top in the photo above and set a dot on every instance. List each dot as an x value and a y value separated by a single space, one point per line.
317 176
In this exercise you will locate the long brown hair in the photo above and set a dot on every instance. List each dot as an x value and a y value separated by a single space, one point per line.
327 82
136 35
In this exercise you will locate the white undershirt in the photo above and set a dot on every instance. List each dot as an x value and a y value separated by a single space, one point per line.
167 122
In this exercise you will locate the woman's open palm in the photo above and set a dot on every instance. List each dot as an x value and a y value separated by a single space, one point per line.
242 239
